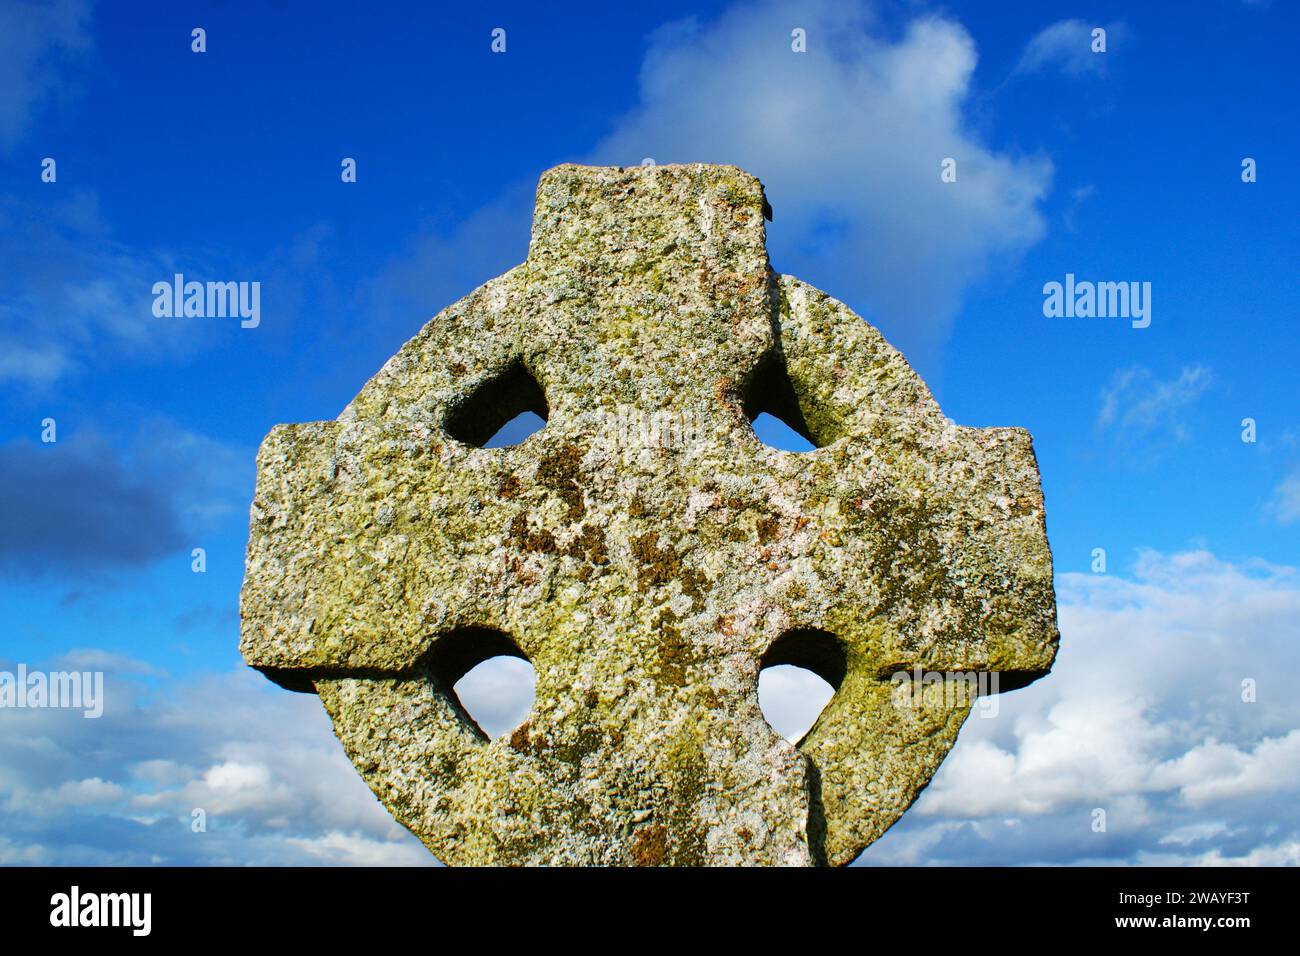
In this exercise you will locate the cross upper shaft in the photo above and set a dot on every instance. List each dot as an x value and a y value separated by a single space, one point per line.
644 550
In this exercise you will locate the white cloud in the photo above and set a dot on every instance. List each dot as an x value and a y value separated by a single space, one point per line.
1143 716
792 699
1078 196
1217 771
97 659
231 776
1194 833
1138 406
498 693
848 139
90 793
262 764
72 294
349 849
1285 505
40 366
1285 853
13 853
1066 45
1080 750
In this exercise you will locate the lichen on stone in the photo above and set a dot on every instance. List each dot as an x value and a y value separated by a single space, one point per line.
644 550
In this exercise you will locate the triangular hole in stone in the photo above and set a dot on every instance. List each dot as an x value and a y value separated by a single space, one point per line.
792 698
498 693
772 407
797 678
774 433
503 410
490 677
516 430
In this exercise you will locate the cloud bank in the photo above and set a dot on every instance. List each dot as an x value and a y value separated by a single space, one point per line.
1147 716
1144 717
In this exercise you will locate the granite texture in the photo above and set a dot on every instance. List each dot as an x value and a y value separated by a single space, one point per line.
644 550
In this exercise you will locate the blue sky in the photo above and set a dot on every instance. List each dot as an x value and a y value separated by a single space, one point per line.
1121 166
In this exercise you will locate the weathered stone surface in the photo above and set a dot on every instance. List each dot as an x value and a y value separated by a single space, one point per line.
644 550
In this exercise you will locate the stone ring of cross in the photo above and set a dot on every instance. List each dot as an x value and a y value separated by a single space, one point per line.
645 551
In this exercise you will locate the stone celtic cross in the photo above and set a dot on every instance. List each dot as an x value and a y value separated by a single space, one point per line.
644 550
